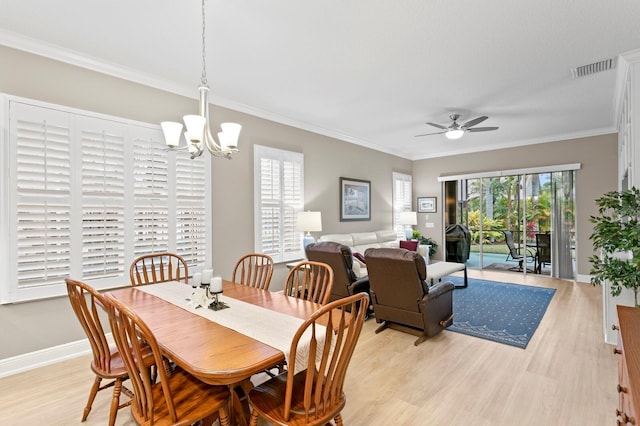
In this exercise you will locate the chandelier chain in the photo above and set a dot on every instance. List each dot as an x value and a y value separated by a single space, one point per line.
203 78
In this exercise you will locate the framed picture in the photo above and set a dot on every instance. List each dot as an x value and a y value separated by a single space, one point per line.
426 204
355 199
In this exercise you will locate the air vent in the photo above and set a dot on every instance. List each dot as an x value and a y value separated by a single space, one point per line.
593 68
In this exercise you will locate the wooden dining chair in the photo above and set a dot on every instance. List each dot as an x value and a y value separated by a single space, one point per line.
177 397
315 395
158 267
254 270
311 281
107 363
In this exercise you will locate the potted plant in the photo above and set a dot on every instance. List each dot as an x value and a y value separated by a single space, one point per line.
427 241
616 233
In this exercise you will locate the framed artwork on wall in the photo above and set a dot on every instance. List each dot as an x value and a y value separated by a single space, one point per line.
426 204
355 199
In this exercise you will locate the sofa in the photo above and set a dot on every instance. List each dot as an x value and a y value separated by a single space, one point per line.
359 242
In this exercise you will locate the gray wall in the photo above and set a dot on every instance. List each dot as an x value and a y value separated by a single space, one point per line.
598 156
37 325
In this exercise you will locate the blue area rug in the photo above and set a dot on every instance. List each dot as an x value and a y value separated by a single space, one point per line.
501 312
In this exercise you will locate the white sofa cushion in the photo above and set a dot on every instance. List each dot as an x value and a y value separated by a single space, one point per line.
364 238
345 239
359 242
388 238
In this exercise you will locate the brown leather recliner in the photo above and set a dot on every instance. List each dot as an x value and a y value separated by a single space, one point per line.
400 295
340 258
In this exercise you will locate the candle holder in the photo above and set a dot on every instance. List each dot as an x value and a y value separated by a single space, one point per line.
216 305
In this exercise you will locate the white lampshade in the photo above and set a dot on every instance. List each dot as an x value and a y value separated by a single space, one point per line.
223 138
195 126
454 134
172 132
309 221
231 132
407 218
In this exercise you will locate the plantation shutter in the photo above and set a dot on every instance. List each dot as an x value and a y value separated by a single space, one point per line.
279 195
151 199
43 192
102 204
192 186
83 194
402 199
292 203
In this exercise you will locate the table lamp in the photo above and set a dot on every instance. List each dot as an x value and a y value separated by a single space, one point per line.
408 218
308 222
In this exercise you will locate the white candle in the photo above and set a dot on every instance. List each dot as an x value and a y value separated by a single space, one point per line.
206 276
196 280
216 285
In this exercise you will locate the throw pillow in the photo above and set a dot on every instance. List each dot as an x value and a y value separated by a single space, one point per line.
359 257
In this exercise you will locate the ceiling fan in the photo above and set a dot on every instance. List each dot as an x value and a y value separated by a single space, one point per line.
455 130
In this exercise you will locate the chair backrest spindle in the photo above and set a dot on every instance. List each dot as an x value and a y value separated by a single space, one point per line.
254 270
311 281
315 393
158 267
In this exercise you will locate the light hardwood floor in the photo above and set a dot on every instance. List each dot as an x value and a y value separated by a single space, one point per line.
566 376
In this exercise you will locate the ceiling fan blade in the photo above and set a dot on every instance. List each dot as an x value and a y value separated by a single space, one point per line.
482 129
429 134
439 126
474 121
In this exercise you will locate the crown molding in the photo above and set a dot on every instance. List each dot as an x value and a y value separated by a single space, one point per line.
524 142
625 61
57 53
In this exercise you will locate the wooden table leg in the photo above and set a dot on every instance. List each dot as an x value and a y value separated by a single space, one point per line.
240 411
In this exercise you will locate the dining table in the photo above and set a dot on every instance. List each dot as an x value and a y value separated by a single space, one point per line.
223 347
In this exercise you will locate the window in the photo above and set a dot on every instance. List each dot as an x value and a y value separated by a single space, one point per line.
402 200
278 196
88 193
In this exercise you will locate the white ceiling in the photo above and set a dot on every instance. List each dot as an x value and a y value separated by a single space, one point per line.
370 72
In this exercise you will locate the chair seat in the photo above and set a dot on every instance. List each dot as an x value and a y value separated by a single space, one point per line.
267 400
116 368
193 400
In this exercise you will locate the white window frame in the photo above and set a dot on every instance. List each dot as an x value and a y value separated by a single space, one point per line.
121 197
288 246
402 200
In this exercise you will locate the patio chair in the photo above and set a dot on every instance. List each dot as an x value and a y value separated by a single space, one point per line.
543 251
515 253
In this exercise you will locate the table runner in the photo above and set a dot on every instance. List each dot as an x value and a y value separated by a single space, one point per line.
269 327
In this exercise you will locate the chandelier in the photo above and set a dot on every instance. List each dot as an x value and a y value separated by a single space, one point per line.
198 131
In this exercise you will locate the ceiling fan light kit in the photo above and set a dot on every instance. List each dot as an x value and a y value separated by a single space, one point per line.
456 131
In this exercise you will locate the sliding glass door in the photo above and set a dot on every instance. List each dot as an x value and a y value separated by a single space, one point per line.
563 243
511 218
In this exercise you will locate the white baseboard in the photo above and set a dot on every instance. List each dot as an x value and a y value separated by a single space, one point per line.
583 278
43 357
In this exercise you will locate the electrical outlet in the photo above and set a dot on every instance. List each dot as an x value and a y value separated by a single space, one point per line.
429 225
